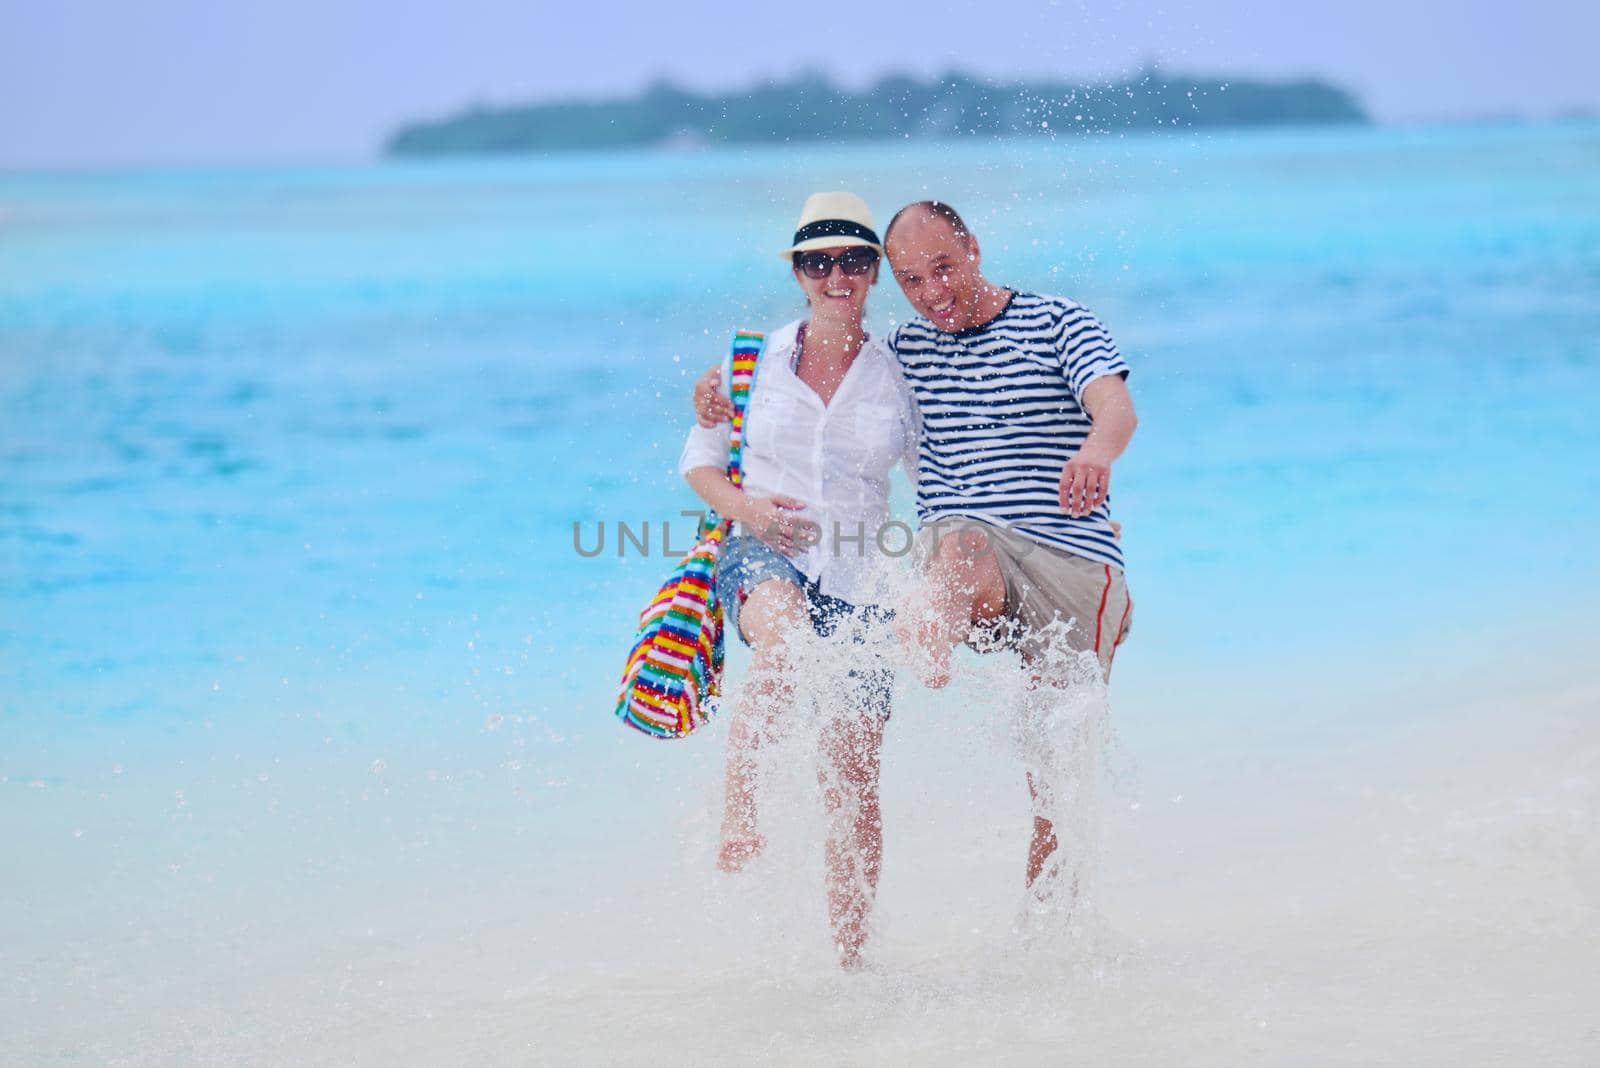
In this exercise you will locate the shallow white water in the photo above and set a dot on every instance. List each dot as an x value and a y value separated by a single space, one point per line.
1416 885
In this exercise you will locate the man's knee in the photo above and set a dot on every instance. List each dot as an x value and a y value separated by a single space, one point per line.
965 570
962 547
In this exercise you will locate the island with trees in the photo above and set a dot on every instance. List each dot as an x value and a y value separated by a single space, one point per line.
810 108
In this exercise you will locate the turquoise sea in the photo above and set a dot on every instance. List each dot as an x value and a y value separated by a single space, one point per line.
303 684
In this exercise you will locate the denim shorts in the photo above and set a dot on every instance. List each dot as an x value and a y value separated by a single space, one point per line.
746 562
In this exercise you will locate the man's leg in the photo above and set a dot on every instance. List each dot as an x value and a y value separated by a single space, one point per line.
1044 842
769 615
1073 757
964 586
1064 720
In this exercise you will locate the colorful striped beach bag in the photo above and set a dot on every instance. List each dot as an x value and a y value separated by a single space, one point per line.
675 668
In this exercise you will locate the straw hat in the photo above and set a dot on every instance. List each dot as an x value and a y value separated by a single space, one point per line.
832 219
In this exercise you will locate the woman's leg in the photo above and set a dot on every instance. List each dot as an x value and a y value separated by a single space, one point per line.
854 850
771 612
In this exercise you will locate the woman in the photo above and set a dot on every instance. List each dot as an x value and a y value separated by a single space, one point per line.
828 417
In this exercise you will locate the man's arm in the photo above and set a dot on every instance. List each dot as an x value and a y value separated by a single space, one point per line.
1086 478
712 407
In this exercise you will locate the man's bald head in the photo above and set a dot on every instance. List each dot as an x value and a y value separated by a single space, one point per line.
930 209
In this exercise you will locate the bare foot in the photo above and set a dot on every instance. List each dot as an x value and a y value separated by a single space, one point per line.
738 850
1040 849
1051 890
849 947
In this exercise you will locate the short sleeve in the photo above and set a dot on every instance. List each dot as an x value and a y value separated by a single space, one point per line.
1086 349
896 336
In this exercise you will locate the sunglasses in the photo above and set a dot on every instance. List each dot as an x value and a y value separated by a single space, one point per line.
855 261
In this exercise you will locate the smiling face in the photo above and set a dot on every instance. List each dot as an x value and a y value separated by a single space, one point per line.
839 297
938 271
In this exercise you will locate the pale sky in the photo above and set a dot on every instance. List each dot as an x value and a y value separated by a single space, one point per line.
208 81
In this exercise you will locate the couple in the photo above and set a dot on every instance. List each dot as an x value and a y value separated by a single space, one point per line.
1007 408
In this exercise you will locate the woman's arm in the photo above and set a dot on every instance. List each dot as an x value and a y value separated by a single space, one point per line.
773 519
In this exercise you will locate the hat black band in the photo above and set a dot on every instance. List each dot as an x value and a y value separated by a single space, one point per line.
835 228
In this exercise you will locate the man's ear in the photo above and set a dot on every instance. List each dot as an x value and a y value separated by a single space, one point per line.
974 255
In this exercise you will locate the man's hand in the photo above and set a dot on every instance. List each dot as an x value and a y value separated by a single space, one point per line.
1086 478
776 521
712 407
1085 483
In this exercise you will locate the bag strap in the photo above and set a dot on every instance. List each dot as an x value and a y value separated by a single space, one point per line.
747 348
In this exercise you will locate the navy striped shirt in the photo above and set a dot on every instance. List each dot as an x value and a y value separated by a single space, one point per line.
1002 412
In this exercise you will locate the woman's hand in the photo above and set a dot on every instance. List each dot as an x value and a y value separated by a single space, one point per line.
711 406
776 521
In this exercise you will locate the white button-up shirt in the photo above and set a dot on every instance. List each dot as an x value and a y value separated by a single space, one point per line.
834 457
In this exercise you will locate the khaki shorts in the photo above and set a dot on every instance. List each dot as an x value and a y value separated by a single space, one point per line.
1043 583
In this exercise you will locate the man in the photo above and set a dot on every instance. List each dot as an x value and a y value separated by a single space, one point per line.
1023 409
